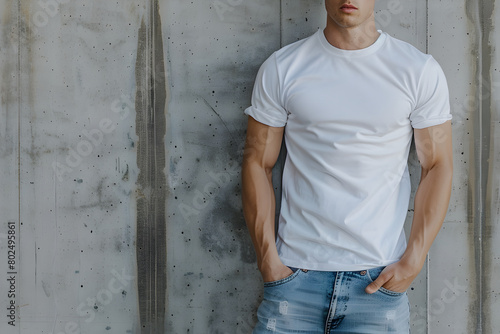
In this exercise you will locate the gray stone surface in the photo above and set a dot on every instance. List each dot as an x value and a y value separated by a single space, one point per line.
122 131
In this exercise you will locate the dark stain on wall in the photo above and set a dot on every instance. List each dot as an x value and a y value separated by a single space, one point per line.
224 232
480 15
151 97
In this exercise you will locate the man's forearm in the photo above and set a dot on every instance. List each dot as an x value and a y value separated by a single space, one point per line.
259 212
431 204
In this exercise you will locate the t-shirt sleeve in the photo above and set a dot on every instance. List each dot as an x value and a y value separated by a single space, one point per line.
433 101
267 106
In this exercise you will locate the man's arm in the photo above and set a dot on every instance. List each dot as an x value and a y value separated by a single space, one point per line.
434 150
262 148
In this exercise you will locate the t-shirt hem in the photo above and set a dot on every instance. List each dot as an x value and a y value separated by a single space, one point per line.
431 122
334 267
264 118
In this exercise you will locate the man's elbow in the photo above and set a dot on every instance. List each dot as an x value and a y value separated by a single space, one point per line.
442 169
254 167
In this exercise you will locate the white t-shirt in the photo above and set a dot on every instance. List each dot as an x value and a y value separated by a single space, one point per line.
349 117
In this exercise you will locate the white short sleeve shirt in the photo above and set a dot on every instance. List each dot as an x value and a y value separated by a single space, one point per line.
349 117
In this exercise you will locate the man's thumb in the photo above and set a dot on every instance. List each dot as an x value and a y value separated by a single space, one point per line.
373 286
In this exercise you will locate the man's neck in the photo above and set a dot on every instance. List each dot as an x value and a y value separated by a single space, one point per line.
354 38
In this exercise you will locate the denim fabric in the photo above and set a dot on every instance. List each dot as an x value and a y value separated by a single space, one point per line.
331 302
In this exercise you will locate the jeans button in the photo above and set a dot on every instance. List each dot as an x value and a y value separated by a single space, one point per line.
362 273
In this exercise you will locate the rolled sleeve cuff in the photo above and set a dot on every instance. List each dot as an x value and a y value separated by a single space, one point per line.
264 117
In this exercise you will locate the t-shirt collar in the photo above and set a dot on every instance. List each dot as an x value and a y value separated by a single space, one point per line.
351 53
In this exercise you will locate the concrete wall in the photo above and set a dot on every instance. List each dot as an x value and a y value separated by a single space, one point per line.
122 131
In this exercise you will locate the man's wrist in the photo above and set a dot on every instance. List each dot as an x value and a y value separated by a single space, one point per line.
413 260
269 264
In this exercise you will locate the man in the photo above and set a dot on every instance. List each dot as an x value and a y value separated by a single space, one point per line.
348 101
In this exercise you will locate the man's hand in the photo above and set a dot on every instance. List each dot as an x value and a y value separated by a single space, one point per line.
396 277
276 273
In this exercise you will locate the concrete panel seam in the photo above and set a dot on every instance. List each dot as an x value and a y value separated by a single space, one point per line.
151 95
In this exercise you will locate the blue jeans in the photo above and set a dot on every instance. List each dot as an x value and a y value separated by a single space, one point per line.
331 302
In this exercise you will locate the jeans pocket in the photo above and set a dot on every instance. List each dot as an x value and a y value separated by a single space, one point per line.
283 280
390 292
373 274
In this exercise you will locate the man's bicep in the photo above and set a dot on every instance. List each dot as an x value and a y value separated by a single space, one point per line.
263 143
434 145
